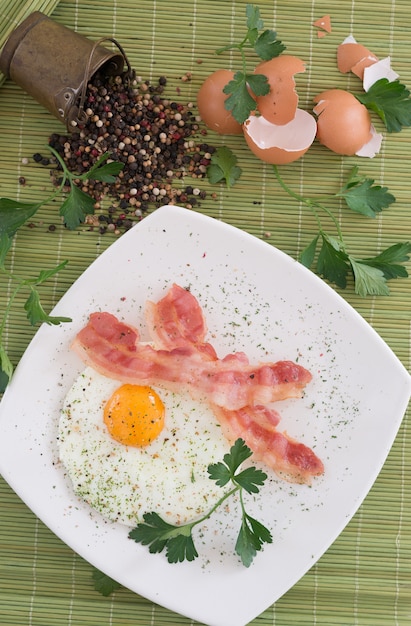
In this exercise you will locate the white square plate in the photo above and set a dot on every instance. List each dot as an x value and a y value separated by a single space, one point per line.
256 299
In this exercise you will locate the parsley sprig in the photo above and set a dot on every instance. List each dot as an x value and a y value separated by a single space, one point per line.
178 541
329 254
391 101
266 45
79 204
223 167
14 214
104 584
33 307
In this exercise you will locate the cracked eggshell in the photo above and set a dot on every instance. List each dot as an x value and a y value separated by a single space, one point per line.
210 102
343 123
378 70
279 144
354 57
373 146
280 104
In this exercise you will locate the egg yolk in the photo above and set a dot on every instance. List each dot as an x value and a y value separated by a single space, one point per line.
134 415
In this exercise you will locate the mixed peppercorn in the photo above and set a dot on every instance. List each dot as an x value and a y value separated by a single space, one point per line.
159 142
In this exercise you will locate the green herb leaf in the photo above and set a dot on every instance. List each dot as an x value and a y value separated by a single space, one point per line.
308 254
239 100
181 548
388 261
250 539
368 280
5 245
250 479
106 173
239 453
75 207
391 101
362 196
158 534
220 473
332 263
103 583
36 314
267 46
258 83
254 21
223 167
6 369
14 214
45 275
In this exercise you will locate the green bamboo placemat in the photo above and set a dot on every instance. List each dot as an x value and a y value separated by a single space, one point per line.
12 13
365 576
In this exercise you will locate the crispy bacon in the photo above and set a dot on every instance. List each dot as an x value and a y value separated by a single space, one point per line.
289 458
113 349
177 321
237 391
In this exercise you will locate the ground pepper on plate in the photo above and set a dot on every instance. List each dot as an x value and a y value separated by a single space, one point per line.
159 141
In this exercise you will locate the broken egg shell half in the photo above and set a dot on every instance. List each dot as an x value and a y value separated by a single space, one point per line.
354 57
211 104
343 123
280 104
279 144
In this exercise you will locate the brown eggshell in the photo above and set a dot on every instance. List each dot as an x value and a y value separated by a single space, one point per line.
343 124
279 144
210 102
280 104
354 57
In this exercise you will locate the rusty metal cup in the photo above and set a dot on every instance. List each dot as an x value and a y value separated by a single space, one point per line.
53 64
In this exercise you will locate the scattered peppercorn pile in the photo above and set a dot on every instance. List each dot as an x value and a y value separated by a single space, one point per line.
155 138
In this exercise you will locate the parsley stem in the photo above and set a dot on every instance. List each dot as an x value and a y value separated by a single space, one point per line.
312 204
219 502
9 303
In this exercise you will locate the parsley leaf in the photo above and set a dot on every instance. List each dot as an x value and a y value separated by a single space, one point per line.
32 305
239 100
103 583
223 166
254 21
75 207
265 44
250 479
308 254
178 541
363 196
250 539
104 172
391 101
334 262
5 245
6 369
36 314
368 280
388 261
14 214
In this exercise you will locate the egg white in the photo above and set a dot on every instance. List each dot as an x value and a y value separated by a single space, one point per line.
123 482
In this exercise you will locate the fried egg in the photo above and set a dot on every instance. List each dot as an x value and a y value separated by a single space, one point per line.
130 450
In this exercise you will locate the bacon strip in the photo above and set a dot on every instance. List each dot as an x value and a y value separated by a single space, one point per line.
112 348
290 459
177 321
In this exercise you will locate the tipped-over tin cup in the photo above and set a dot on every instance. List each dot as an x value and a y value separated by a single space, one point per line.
53 64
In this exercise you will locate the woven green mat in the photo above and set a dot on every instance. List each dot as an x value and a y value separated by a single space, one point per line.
365 576
12 13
